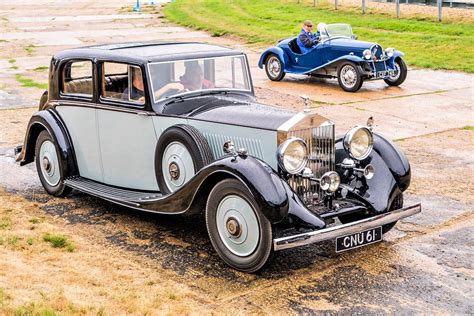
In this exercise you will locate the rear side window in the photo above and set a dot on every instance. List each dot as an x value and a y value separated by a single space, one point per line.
77 78
122 82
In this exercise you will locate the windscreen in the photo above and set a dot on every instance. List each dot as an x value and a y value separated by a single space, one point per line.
182 76
339 30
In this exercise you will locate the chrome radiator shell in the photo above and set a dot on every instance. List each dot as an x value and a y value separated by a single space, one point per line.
321 159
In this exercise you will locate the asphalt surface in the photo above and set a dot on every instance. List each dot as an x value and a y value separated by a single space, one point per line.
424 265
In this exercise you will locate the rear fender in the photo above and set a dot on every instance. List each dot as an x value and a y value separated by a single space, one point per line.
277 51
48 120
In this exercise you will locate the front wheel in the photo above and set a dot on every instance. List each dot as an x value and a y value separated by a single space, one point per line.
349 76
239 233
274 68
401 75
51 169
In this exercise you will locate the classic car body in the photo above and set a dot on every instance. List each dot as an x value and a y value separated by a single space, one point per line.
337 55
265 178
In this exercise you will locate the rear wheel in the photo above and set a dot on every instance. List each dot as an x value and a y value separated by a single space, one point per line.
51 169
274 68
349 76
239 233
401 75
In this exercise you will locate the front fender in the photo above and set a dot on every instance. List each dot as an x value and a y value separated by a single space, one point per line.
392 174
273 196
51 121
273 50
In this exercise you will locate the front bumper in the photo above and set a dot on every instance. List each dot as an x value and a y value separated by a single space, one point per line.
345 229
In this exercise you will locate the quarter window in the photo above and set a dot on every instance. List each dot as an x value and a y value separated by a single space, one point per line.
77 78
122 82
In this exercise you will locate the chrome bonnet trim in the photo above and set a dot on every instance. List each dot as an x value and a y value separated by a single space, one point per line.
345 229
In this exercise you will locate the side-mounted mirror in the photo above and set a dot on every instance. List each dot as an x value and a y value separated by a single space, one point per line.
354 37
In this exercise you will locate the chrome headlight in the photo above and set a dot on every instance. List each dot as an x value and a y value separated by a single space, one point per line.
292 155
389 52
358 142
367 54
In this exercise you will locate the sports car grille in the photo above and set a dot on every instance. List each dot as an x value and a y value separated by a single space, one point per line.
320 141
377 52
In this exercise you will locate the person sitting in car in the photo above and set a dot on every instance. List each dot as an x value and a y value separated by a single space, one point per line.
192 79
137 92
307 39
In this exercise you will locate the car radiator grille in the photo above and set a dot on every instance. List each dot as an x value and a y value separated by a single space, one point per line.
321 159
377 52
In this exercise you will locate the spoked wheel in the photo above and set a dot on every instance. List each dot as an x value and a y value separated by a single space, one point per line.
349 77
396 204
180 153
240 234
274 68
401 75
51 170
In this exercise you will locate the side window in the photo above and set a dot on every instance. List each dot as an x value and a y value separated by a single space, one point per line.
77 78
122 82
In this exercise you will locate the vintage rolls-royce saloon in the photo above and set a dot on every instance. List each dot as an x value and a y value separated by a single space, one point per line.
174 128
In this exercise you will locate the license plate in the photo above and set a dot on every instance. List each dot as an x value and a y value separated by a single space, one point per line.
384 73
360 239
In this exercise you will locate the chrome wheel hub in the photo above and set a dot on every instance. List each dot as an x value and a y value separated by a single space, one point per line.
233 227
397 73
177 166
49 163
237 225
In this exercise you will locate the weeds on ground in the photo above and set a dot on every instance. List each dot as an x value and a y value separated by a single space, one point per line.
30 83
59 241
5 223
468 128
29 49
41 68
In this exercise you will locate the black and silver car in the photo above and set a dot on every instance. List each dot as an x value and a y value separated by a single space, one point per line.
174 128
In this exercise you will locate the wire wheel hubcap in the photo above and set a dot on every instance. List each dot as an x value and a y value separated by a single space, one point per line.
348 76
274 67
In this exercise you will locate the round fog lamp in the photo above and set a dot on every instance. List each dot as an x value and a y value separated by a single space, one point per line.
330 181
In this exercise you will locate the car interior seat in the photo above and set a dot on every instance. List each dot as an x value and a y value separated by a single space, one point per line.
294 46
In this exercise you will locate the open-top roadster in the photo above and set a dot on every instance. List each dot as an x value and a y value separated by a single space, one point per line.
337 55
122 122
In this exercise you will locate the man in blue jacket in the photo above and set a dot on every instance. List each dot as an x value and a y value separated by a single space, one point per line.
307 39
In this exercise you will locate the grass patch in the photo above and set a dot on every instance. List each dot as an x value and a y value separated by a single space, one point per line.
12 60
5 223
13 240
41 68
425 42
34 220
468 128
59 241
29 49
26 82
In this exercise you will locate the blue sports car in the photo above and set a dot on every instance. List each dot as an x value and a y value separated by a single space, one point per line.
338 54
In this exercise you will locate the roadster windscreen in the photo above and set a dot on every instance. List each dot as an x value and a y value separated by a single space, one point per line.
339 30
182 76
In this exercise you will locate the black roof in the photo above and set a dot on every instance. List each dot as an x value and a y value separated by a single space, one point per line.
142 52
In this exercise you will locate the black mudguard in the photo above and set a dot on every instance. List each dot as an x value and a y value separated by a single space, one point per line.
274 197
49 120
392 174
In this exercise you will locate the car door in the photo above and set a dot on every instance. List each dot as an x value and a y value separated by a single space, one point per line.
313 58
77 110
126 133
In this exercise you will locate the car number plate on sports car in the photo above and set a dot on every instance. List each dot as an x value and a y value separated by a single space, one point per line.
358 239
385 73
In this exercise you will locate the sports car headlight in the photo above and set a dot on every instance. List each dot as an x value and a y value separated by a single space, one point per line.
292 155
358 142
367 54
389 52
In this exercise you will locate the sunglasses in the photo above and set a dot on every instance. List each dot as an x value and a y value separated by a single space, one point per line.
309 25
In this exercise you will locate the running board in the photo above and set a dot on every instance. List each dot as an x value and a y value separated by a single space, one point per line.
131 198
